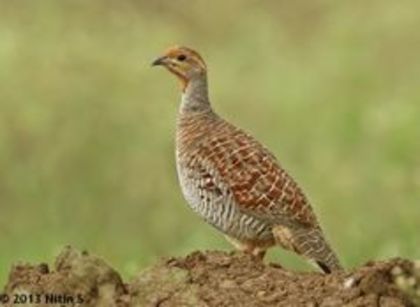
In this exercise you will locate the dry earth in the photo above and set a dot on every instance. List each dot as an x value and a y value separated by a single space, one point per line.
209 279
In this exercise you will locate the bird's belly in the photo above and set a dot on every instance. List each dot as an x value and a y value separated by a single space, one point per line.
218 208
231 222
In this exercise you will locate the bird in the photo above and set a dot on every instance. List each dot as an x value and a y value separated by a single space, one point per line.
233 181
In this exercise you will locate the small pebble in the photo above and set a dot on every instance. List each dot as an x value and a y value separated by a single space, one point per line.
228 284
349 282
396 270
411 281
401 281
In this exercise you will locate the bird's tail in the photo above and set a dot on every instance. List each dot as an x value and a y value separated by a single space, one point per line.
310 243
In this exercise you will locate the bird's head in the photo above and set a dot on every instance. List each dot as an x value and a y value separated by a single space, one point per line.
183 62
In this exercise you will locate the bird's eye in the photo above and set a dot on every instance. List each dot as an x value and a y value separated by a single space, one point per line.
181 57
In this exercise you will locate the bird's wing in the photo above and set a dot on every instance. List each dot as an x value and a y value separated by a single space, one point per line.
260 187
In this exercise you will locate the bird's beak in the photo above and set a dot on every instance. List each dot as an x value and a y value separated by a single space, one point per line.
159 61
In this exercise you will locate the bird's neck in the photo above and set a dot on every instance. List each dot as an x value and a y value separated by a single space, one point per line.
195 96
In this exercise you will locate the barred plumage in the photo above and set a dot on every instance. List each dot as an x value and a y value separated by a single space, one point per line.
234 182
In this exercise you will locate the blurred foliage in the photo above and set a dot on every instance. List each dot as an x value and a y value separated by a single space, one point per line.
87 127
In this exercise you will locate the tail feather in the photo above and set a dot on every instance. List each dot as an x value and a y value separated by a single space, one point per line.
310 243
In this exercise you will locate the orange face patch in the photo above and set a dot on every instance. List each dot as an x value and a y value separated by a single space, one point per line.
183 62
193 56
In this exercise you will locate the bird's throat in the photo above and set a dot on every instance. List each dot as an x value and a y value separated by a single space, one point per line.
195 95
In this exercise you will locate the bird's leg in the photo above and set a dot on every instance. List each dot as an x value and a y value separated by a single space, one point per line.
256 252
283 237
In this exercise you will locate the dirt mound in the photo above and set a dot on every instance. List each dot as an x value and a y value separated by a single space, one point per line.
209 279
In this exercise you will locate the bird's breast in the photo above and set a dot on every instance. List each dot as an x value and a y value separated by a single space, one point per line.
200 156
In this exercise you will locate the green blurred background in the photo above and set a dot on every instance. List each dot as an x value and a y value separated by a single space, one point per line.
87 126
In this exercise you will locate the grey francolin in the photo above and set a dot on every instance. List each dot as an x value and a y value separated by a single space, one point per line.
234 182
